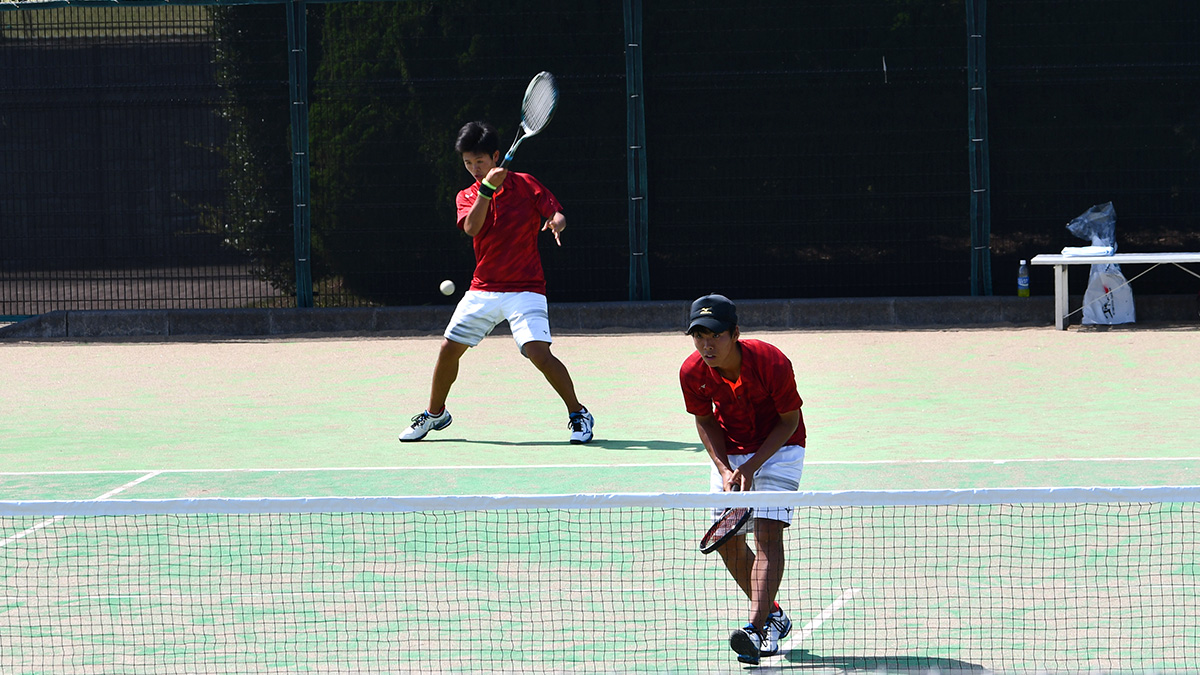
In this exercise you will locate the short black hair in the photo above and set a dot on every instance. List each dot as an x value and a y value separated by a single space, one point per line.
477 137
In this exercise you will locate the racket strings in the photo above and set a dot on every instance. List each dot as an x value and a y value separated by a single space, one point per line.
730 521
539 105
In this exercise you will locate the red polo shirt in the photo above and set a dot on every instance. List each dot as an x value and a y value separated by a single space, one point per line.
506 249
750 410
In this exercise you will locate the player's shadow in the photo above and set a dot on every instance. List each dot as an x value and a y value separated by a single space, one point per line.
640 444
802 659
643 444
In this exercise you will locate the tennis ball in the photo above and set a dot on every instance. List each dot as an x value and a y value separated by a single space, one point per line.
447 287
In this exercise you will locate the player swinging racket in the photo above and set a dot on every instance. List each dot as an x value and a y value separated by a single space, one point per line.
503 212
743 395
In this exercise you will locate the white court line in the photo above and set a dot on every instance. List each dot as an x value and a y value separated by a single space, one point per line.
493 467
29 531
825 615
55 519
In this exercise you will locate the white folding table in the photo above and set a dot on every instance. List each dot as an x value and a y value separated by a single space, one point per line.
1060 262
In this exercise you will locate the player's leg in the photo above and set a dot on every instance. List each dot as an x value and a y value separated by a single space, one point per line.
474 317
579 420
758 571
768 623
529 319
554 371
767 572
739 560
736 553
445 372
761 634
780 473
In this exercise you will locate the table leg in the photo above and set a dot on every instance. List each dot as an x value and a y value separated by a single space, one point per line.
1061 308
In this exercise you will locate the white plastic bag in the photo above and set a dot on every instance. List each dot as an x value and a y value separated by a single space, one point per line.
1108 299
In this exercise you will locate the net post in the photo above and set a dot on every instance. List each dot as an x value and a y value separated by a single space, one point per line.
297 30
639 270
977 144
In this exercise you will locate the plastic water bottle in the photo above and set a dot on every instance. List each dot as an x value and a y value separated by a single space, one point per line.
1023 280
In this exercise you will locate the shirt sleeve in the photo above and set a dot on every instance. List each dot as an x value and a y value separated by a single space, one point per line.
544 201
694 401
463 203
783 386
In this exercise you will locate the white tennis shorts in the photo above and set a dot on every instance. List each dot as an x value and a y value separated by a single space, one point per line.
481 311
781 473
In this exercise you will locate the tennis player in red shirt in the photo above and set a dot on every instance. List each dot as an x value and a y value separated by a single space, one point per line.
743 395
503 212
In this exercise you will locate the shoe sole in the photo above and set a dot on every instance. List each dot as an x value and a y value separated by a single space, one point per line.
747 652
575 441
414 440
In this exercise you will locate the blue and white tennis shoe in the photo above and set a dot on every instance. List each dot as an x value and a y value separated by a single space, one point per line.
581 424
423 423
778 627
747 641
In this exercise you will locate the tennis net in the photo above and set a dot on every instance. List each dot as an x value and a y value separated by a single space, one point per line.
1090 580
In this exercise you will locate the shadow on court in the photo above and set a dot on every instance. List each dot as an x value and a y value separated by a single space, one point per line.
802 659
605 443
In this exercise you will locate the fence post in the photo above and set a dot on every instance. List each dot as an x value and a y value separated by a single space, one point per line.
635 158
981 200
297 28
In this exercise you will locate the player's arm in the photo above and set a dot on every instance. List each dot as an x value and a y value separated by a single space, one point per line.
787 425
712 436
476 217
473 223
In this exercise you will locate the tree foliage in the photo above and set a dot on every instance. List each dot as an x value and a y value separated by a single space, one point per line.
256 217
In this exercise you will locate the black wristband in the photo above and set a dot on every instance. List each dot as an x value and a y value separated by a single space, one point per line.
486 191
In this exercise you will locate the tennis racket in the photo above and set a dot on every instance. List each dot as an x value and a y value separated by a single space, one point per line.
725 528
541 98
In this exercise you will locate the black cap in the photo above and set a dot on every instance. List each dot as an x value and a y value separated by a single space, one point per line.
714 312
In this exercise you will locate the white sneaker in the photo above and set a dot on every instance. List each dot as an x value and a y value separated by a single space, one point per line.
778 627
581 424
747 641
423 423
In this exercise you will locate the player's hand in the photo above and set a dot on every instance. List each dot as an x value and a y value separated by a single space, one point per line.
738 481
496 175
556 224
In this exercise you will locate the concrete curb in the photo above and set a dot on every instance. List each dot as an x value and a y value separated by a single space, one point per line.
568 318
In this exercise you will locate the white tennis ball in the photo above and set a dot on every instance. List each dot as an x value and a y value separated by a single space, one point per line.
447 287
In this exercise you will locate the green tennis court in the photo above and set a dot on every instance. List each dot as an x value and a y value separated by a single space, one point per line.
886 410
